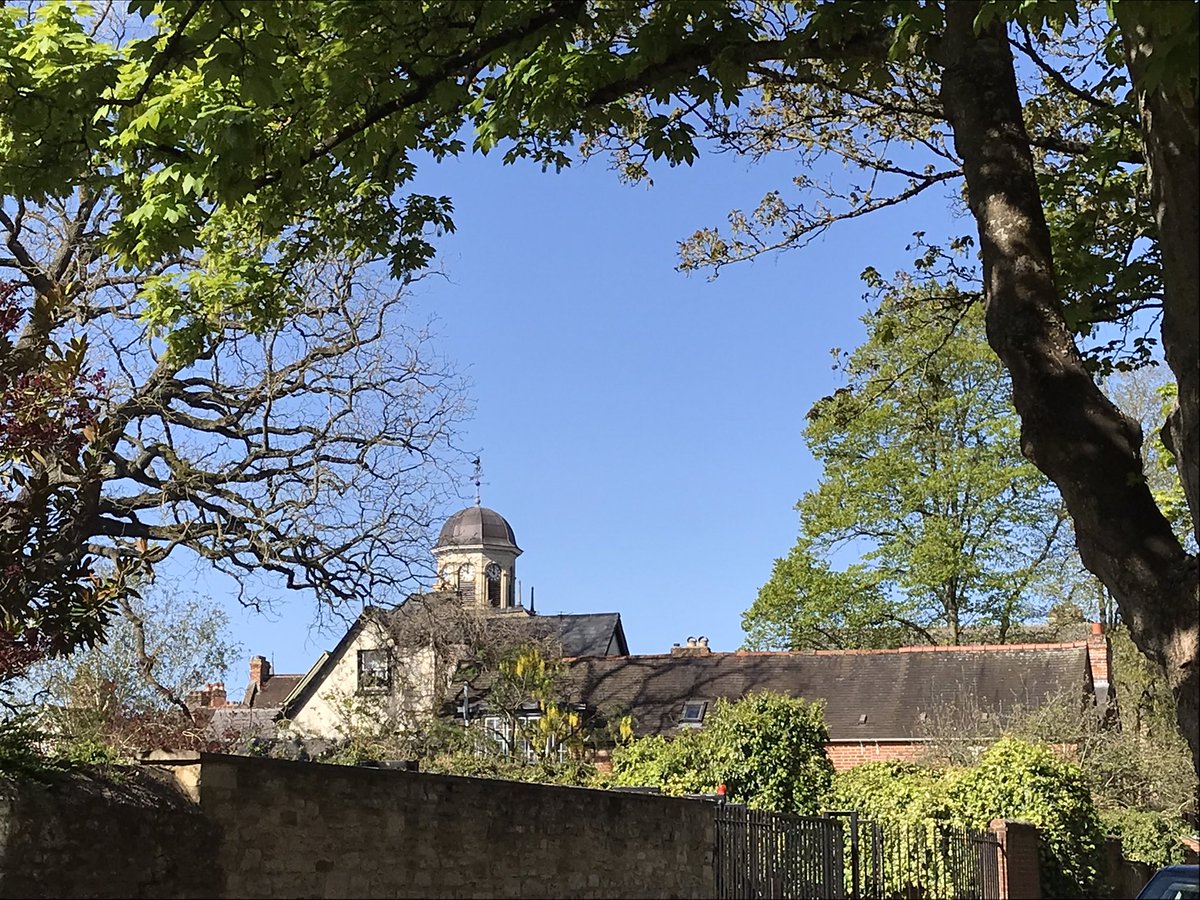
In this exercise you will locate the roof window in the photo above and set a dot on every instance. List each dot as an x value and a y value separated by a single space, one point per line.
693 712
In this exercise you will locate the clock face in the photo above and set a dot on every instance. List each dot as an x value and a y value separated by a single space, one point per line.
446 575
467 572
492 572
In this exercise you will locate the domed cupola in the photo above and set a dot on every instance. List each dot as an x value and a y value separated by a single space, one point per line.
477 554
477 526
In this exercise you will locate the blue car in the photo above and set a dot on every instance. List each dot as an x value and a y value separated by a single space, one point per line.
1173 883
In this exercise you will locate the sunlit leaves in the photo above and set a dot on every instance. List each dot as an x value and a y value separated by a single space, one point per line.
926 516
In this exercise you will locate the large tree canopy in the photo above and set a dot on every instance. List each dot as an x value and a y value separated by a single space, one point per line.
255 135
924 481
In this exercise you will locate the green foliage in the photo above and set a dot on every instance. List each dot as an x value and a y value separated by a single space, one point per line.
1014 779
1020 780
892 793
89 752
767 749
923 477
572 772
21 742
1152 837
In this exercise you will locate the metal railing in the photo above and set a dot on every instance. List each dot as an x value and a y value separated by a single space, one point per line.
931 860
763 855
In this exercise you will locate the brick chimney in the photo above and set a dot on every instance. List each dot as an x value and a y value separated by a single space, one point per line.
1100 660
260 670
216 694
696 646
211 696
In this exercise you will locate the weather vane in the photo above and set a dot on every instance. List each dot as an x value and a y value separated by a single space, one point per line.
478 477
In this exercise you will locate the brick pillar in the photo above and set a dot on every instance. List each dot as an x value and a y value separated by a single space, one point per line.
1018 862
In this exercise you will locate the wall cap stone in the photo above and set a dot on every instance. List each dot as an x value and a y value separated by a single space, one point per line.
167 757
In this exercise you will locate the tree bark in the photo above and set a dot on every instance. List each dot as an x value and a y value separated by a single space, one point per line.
1069 429
1171 137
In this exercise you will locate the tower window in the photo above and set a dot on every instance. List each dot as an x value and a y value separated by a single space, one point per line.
493 584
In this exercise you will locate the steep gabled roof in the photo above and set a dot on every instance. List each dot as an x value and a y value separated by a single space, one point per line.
271 693
890 688
585 634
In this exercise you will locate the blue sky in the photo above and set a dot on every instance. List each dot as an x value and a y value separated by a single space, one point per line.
639 428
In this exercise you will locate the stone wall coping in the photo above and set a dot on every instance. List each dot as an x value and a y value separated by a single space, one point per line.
169 757
166 758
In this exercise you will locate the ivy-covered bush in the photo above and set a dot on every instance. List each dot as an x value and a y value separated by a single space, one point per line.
1015 779
1018 779
767 749
892 793
1149 836
911 803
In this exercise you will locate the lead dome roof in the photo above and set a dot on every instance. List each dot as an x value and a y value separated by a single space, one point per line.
477 525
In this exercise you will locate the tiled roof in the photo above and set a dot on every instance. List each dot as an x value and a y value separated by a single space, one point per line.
889 687
272 693
230 722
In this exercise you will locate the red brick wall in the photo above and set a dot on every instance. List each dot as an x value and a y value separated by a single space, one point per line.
1020 876
847 755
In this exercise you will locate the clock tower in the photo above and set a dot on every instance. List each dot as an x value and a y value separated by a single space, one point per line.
477 554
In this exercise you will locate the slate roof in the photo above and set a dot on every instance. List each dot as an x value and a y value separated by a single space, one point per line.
272 693
227 722
890 687
586 634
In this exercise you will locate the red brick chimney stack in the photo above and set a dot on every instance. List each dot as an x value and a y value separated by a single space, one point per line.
1100 659
696 646
216 694
260 670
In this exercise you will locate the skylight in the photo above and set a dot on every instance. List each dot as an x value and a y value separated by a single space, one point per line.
693 712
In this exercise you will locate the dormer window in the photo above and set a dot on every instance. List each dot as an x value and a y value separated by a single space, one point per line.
693 713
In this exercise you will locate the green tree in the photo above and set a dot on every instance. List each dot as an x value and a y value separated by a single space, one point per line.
923 478
255 132
767 749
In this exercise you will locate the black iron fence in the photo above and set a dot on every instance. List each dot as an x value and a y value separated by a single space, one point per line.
765 855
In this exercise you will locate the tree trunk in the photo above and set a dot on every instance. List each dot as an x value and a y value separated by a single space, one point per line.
1171 138
1069 429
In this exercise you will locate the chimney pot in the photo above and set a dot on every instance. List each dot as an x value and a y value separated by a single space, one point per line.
1097 628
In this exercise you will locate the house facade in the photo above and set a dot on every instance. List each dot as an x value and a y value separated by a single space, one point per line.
428 657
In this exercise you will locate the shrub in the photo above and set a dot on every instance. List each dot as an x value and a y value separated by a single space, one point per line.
892 793
767 749
1016 779
1147 836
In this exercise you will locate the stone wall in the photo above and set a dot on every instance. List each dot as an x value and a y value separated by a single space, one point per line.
127 836
302 829
230 826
